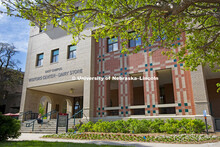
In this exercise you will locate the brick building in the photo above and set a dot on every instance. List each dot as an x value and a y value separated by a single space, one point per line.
53 65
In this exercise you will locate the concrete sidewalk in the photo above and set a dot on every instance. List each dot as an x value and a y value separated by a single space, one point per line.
31 136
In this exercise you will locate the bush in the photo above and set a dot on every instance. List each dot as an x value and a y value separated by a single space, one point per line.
9 127
71 130
183 126
88 127
169 126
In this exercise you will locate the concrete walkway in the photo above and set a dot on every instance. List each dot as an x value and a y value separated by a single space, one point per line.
30 136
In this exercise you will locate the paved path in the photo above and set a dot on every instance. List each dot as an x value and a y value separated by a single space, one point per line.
31 136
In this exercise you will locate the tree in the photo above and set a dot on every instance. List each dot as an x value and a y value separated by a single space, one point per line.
9 76
162 20
41 109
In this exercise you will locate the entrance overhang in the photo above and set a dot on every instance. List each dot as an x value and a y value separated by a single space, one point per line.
72 89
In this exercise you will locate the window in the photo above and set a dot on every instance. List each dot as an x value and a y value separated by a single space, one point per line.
112 44
112 97
137 96
135 42
55 56
40 58
166 91
71 51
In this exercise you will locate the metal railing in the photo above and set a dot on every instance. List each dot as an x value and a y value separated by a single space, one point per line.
45 115
74 116
24 114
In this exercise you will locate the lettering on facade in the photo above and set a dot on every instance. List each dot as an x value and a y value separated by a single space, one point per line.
54 70
56 75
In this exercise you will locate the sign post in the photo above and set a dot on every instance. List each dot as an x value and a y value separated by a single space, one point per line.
205 116
62 121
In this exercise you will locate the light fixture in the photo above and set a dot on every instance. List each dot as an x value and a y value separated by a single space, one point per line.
71 90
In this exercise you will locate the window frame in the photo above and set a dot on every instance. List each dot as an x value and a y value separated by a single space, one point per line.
135 40
112 45
68 52
38 59
52 56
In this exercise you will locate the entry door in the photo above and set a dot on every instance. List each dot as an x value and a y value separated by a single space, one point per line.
78 105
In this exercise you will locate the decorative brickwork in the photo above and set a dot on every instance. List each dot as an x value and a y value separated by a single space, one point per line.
147 61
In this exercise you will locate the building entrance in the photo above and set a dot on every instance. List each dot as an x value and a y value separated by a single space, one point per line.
77 106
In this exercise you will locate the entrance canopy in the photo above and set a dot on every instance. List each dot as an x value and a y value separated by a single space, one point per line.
73 88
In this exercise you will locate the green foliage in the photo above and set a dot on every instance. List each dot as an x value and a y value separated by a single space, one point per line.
183 126
9 127
164 21
71 130
218 85
85 127
169 126
41 109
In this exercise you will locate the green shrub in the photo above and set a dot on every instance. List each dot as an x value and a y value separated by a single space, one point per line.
41 109
169 126
88 127
155 125
9 127
71 130
183 126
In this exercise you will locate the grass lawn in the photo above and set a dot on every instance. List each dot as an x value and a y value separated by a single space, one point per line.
47 144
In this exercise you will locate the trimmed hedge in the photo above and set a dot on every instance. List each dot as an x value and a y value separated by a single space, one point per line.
169 126
9 127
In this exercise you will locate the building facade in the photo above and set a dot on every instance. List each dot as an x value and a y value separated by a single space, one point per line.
162 89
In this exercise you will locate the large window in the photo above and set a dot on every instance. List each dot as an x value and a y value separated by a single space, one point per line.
112 44
55 56
137 97
166 91
112 97
40 58
135 42
71 51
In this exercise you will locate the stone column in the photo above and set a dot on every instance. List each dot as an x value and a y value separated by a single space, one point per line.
88 101
200 95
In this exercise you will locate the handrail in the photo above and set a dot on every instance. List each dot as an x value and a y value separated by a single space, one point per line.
25 114
45 115
74 116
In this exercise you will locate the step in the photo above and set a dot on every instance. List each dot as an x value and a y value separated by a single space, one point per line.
48 126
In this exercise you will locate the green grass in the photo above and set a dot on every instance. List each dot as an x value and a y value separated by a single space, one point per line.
47 144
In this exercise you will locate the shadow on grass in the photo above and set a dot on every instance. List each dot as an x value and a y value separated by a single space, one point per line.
57 144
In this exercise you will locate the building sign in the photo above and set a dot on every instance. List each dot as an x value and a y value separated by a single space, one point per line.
52 73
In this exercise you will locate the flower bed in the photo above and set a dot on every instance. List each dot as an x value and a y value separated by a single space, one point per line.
183 138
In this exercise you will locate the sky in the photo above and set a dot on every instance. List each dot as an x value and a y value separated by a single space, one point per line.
15 31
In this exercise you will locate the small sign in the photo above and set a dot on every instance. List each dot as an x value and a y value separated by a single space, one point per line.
62 121
204 113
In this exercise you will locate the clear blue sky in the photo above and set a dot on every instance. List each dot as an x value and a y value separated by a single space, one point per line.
15 31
